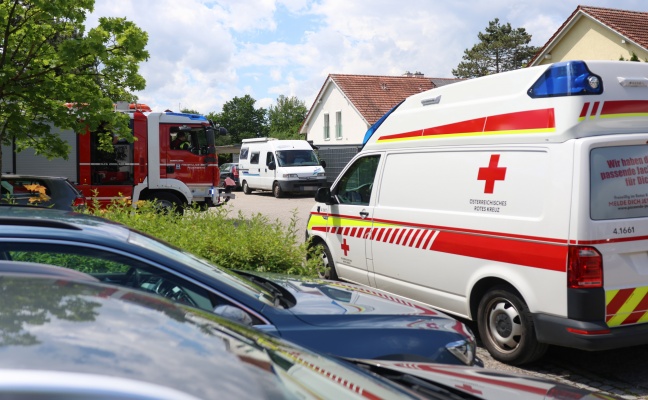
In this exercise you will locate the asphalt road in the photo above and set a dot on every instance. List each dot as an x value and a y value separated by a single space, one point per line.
622 372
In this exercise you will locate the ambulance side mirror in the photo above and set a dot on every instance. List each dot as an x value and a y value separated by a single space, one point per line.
323 195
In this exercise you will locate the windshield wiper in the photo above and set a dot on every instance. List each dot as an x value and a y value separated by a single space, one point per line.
281 296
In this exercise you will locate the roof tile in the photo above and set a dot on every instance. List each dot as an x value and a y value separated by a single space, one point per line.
374 95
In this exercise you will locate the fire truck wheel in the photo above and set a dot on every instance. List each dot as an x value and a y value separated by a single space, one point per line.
276 190
246 188
506 327
326 267
169 202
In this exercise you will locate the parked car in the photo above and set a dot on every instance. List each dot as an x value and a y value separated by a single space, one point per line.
230 170
73 339
47 191
328 316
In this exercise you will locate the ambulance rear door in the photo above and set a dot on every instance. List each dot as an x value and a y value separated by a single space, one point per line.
612 217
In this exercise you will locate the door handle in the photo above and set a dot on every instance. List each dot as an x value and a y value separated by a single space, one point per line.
364 214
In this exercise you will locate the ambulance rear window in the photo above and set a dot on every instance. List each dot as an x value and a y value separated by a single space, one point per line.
619 182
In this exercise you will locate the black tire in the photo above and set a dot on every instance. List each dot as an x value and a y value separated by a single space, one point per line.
246 188
168 202
276 190
506 327
326 268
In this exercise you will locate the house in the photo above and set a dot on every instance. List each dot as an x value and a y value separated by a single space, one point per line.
347 105
595 33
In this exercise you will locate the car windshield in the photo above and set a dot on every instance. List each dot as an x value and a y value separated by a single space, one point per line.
230 278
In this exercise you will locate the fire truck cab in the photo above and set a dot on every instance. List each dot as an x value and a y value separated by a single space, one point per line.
148 168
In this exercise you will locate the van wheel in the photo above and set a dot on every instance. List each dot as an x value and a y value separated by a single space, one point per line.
326 266
506 327
168 202
276 190
246 188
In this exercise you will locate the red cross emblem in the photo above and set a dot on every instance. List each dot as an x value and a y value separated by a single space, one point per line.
468 388
491 173
345 247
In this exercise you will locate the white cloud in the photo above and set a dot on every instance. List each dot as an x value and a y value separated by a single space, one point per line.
206 52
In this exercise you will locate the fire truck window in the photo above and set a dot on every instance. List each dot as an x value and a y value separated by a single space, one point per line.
111 167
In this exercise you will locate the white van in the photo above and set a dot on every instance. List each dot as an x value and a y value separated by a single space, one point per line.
283 166
517 200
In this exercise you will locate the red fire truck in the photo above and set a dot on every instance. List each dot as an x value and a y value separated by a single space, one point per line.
149 168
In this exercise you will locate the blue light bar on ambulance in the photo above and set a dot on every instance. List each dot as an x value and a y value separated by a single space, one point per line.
568 78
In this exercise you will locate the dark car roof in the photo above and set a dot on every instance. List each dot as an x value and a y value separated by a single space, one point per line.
85 331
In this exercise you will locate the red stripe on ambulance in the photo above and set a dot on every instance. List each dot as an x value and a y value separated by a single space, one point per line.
517 121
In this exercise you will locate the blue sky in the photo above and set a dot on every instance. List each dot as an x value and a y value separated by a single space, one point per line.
206 52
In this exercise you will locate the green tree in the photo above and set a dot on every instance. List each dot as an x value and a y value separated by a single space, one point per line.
47 60
501 48
286 118
241 119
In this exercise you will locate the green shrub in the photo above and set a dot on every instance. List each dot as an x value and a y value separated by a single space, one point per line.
229 241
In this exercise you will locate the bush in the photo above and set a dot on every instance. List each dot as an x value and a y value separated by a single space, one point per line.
233 242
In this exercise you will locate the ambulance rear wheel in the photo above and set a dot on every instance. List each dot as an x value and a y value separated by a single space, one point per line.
276 190
246 188
325 267
506 327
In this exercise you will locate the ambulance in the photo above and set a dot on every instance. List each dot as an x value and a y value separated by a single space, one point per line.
517 200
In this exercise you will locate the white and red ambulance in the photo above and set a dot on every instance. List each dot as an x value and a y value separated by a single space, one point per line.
517 200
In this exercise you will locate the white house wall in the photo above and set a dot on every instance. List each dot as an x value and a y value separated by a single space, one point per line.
331 101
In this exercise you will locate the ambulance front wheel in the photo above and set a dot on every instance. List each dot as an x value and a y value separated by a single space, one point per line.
506 327
325 266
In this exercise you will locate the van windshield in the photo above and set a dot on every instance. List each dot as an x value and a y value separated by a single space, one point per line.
293 158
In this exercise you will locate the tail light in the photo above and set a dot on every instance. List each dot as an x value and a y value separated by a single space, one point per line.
79 201
235 172
584 268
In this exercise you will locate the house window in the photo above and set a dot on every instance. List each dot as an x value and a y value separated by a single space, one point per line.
327 127
338 125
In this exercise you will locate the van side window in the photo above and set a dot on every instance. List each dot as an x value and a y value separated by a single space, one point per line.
357 182
244 153
254 158
269 158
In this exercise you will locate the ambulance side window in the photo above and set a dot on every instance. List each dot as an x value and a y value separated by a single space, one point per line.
356 184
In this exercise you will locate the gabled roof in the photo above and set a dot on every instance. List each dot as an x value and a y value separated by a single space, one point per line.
629 24
373 95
